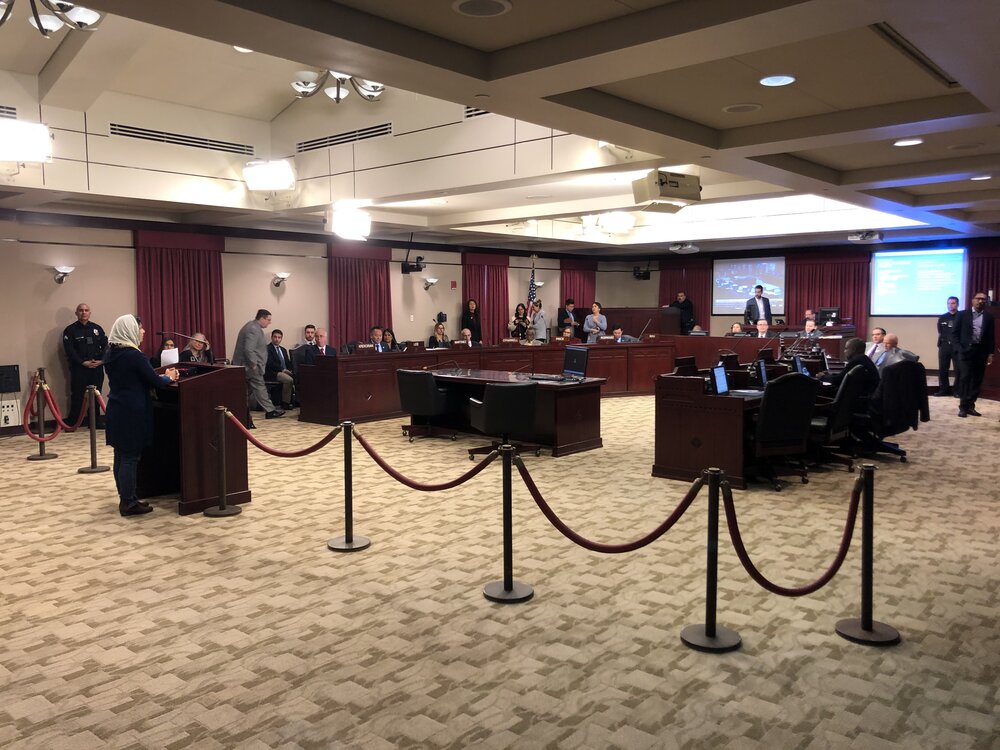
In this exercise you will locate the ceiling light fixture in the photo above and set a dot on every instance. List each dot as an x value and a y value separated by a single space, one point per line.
980 177
904 142
308 83
24 142
684 248
481 8
269 176
616 222
349 222
242 50
782 79
60 13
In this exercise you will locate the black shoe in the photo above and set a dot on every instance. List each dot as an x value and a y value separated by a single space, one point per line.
941 393
251 425
135 510
972 412
274 414
962 414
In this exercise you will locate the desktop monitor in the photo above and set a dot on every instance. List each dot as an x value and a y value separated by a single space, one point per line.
575 361
828 316
799 367
762 372
719 381
766 355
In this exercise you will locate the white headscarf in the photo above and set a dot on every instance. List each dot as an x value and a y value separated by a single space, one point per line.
125 332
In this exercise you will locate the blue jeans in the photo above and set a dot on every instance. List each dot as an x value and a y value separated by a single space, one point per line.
126 467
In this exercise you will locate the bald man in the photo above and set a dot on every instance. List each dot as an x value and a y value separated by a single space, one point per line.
84 343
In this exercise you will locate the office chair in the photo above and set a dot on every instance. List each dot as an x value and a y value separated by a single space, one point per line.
421 398
731 360
898 404
685 366
505 408
832 424
782 427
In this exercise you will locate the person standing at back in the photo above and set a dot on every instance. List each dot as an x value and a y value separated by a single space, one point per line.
84 343
683 304
758 307
471 320
595 324
947 349
251 353
976 339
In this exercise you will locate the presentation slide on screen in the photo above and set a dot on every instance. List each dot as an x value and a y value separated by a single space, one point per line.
917 282
736 279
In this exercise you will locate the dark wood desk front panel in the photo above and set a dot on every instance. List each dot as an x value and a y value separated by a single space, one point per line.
609 361
647 363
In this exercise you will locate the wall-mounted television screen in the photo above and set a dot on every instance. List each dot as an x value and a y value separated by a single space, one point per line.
733 282
917 282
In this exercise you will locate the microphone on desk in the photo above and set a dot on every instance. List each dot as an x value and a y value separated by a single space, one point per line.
645 327
441 364
174 333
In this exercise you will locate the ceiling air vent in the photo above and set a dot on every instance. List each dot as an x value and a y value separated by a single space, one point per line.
191 141
351 136
471 112
6 111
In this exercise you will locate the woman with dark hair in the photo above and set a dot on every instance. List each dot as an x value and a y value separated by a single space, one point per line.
165 345
470 320
389 339
595 324
197 350
130 407
518 325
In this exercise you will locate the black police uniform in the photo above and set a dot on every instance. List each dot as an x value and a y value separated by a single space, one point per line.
947 351
83 341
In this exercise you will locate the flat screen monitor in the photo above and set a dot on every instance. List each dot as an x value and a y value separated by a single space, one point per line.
762 371
734 282
799 367
575 362
828 316
766 355
719 380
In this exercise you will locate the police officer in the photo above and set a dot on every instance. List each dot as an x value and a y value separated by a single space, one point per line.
85 343
947 351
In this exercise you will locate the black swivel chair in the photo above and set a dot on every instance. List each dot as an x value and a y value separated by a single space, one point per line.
832 425
420 396
898 404
782 427
729 360
505 408
685 366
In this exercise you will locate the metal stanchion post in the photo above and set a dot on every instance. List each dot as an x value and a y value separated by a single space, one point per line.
508 591
42 455
864 629
92 406
348 542
222 510
710 636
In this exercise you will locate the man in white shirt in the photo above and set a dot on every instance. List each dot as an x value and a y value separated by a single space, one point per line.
467 339
758 307
877 345
762 329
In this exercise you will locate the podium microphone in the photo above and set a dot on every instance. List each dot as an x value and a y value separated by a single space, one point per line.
645 327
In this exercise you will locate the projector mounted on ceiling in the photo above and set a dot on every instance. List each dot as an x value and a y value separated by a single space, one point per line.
684 248
666 192
416 266
865 237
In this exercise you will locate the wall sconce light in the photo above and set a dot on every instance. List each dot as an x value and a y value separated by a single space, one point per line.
539 284
429 281
279 278
62 272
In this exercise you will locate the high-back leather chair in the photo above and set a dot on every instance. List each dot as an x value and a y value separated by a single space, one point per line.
833 425
421 398
783 424
685 366
504 409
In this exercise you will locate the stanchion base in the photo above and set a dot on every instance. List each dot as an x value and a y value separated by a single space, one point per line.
216 512
93 469
340 544
880 634
495 592
725 639
46 457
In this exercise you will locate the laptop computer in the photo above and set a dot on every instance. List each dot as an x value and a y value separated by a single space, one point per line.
574 365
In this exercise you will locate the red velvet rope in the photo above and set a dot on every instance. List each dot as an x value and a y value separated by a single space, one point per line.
283 454
611 549
30 411
741 550
425 487
54 408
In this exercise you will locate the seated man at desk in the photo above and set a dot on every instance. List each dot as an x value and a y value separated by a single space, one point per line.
763 330
854 351
892 353
279 367
810 331
467 339
530 339
623 338
375 339
309 354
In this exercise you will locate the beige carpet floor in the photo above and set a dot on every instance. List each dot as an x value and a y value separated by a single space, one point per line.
171 632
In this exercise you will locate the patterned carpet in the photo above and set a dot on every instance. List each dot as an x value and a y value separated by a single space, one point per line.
171 632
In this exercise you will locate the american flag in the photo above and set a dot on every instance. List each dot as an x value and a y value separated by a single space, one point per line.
532 290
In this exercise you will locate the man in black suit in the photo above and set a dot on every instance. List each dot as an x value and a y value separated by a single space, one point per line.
279 368
311 353
854 353
947 349
569 317
375 339
763 330
758 307
467 339
683 304
975 339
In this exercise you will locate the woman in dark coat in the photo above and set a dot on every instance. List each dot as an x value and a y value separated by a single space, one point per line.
470 320
130 407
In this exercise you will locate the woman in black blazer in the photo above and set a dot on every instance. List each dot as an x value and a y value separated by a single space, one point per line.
470 320
197 351
438 340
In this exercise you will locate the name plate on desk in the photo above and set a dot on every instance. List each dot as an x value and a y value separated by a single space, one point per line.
651 337
605 339
414 345
509 342
364 349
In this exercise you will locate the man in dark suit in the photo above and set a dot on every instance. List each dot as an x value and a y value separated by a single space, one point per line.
683 304
854 353
947 349
569 317
467 339
623 338
279 368
375 339
763 330
975 339
311 353
758 307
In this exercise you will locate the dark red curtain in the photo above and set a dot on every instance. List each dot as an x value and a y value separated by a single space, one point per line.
693 276
359 291
578 281
178 283
484 279
829 279
984 270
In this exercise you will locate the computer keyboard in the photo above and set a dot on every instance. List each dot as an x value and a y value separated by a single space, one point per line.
746 392
542 376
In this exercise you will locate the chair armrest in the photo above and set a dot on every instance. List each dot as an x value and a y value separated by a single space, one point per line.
475 402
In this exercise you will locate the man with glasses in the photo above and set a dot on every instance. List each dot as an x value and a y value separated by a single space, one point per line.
975 341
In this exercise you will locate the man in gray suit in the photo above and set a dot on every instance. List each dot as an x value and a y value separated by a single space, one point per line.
891 353
251 352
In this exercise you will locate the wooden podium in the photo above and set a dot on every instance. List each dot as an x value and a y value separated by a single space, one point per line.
182 459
